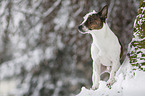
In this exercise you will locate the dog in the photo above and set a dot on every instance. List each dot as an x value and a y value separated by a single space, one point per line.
105 48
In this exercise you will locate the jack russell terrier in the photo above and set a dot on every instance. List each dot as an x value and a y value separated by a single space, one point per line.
105 48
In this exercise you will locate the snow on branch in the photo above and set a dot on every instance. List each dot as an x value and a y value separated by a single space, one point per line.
38 14
137 45
52 8
28 61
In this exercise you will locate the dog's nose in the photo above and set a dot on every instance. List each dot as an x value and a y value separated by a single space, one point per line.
80 27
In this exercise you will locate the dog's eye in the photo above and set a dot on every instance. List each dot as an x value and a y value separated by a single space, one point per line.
90 20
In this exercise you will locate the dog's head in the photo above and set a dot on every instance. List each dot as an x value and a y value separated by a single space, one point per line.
93 20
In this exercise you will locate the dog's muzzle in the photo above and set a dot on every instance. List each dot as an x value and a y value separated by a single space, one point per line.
82 29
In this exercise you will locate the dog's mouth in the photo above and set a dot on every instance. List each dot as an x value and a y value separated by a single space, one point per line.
82 29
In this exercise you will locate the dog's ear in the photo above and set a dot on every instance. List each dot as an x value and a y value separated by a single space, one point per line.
103 12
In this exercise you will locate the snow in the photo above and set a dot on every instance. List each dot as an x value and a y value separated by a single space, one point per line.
71 24
17 18
134 86
49 53
7 86
128 83
33 58
143 8
62 16
134 23
2 7
52 8
60 44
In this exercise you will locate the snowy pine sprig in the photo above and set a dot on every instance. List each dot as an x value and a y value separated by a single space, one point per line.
137 45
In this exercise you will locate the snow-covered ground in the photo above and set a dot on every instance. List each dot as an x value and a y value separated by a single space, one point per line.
7 86
128 83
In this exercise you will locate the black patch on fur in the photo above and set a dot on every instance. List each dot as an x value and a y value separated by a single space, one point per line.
95 21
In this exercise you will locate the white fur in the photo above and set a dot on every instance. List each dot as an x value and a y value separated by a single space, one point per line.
87 15
105 50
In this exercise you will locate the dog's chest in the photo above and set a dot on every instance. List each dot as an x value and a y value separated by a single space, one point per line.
101 55
104 41
105 46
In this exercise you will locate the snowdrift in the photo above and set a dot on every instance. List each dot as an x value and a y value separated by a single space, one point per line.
128 83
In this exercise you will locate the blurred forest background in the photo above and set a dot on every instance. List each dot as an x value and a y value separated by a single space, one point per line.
41 51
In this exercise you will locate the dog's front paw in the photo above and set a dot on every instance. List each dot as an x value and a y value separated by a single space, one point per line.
108 85
95 87
110 82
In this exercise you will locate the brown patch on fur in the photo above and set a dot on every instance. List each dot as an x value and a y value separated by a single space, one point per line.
121 53
94 22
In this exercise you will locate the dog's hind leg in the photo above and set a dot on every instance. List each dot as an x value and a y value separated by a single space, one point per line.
96 74
115 67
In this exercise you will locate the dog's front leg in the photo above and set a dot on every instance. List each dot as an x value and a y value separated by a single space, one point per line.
96 74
